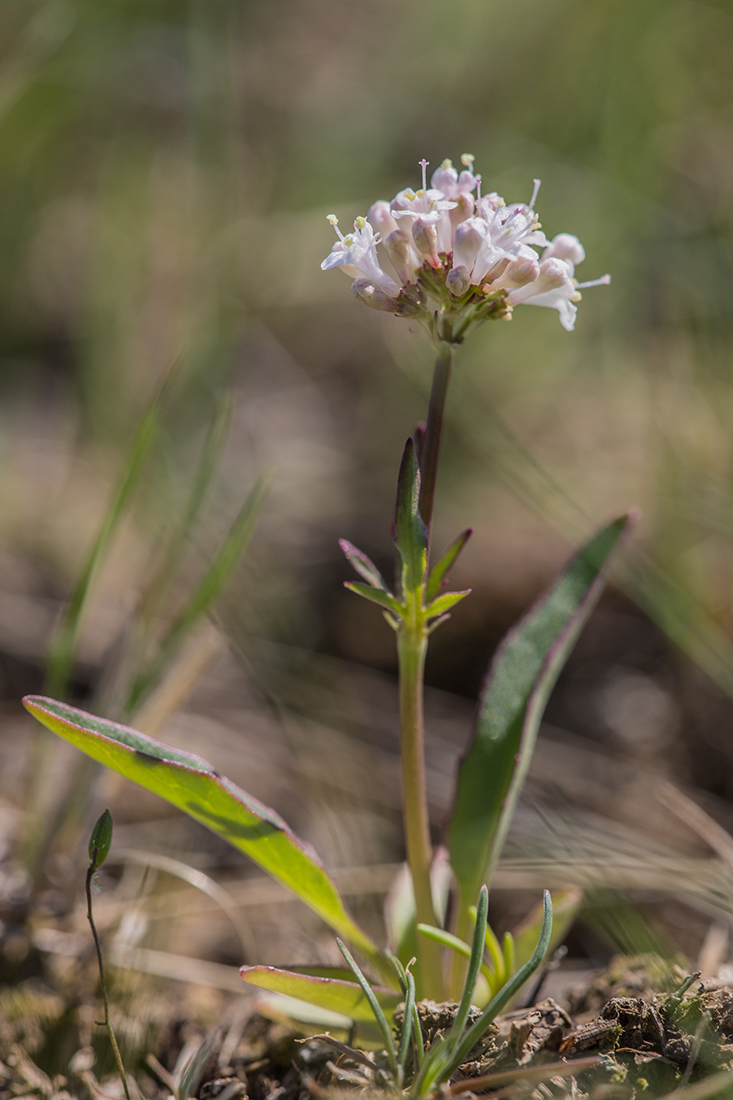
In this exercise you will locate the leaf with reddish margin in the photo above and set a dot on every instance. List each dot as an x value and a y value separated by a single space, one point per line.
202 792
520 679
333 994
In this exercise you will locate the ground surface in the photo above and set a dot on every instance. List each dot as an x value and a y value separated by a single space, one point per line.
646 1042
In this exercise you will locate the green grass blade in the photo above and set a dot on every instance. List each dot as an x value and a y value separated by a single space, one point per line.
63 648
334 994
565 907
508 991
408 1022
166 571
206 593
510 960
474 966
375 1007
522 674
195 787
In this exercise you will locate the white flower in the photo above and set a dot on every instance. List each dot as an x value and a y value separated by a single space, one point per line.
428 206
461 257
565 247
359 250
453 185
553 287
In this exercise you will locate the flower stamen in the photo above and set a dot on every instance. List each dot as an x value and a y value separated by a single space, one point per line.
424 165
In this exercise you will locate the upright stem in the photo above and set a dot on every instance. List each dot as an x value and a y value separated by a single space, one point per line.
434 432
412 646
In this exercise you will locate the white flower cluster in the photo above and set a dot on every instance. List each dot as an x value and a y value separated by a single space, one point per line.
472 254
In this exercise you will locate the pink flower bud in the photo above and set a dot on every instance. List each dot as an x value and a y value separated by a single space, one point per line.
365 291
425 236
380 217
402 255
458 281
565 247
517 273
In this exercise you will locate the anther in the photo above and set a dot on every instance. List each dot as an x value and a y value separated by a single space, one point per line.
467 160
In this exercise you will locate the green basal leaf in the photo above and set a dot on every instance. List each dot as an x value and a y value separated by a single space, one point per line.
363 565
521 676
439 572
411 536
443 603
333 994
373 594
202 792
307 1019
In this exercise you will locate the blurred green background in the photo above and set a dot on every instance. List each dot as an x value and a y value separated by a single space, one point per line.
165 171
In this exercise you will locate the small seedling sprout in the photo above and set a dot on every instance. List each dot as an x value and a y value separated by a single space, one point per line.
99 845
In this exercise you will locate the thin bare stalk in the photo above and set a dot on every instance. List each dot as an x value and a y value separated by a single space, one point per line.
434 432
107 1023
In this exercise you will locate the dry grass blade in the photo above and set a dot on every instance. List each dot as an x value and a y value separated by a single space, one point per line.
698 820
201 882
530 1073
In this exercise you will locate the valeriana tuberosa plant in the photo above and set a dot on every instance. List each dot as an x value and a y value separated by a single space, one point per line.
449 258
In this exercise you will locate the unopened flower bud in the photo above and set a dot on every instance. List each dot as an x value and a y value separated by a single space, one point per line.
553 275
466 244
425 236
458 280
565 246
402 255
372 296
380 217
517 273
464 208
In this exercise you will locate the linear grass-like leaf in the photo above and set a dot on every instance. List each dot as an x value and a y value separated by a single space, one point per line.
206 592
195 787
63 647
565 907
166 572
520 679
333 994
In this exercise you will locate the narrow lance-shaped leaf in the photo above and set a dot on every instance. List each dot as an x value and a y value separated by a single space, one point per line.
411 536
521 676
373 594
363 565
443 603
444 564
202 792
